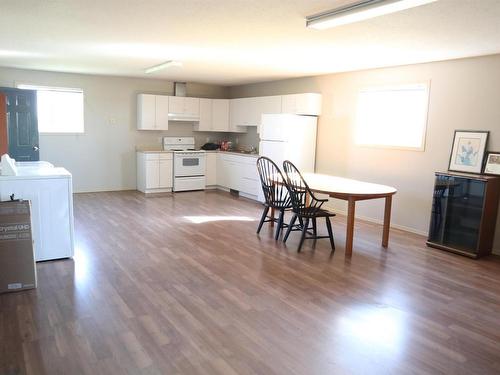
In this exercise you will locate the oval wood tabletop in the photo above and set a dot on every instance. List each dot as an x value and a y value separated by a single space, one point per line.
344 186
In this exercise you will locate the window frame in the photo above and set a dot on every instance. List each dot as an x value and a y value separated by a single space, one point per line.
28 86
426 84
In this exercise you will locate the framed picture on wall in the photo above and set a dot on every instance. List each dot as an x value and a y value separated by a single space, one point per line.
467 153
492 165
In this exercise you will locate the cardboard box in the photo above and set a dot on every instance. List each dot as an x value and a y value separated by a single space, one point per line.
17 260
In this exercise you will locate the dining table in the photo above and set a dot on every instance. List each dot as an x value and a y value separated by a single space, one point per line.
352 191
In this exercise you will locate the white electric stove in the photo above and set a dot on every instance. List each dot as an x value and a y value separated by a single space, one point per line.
189 164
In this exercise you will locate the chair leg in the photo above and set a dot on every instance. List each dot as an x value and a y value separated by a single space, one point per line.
280 224
263 218
330 232
315 231
292 222
304 231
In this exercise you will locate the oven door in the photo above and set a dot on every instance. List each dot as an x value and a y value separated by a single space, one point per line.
186 165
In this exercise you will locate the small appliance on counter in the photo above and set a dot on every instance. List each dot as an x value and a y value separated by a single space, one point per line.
189 164
210 146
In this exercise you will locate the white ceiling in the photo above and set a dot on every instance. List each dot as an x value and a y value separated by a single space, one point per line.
232 42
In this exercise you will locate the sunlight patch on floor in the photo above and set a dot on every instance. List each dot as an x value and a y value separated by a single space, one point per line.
207 219
379 327
81 263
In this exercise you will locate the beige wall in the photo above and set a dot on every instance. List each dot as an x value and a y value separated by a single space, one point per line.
465 94
104 157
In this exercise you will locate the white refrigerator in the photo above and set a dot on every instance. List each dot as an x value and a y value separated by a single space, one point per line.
289 137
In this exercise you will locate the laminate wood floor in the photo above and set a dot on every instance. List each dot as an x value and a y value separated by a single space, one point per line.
182 285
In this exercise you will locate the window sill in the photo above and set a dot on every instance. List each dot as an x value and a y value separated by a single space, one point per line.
61 133
399 148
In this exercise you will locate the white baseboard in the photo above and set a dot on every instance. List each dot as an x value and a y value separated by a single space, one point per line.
378 221
104 190
397 226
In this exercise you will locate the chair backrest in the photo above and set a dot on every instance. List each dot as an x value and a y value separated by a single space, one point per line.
303 200
273 183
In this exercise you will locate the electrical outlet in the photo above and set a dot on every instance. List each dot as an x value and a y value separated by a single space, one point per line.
237 140
112 121
208 139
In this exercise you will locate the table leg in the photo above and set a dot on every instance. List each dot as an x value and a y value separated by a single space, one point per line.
351 208
387 221
271 215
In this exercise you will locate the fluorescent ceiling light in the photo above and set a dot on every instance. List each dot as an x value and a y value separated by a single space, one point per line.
360 11
12 53
161 66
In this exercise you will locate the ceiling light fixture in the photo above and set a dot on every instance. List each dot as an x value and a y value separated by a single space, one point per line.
166 64
360 11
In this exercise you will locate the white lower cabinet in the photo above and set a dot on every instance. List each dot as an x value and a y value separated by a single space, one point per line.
151 175
250 179
211 169
238 172
154 172
223 170
166 172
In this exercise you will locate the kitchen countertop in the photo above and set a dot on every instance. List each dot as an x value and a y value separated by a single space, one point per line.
153 150
234 153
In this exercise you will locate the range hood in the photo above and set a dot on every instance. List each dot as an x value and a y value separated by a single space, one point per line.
180 91
183 117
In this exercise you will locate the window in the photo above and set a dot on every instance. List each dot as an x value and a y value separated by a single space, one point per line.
60 110
394 117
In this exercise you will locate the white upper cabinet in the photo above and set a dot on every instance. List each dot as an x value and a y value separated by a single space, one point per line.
220 115
248 111
152 112
205 123
269 105
239 110
161 112
181 106
146 112
301 104
176 104
214 115
192 106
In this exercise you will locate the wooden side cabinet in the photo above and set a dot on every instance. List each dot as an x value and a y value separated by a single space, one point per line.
464 213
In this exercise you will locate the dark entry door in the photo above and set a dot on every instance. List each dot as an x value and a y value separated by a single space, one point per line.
22 124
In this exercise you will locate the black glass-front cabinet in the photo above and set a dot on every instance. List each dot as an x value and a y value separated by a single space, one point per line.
464 211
